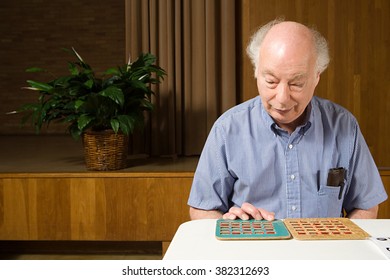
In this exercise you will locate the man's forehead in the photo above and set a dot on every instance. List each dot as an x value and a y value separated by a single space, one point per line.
292 76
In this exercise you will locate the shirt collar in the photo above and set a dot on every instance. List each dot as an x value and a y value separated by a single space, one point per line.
302 129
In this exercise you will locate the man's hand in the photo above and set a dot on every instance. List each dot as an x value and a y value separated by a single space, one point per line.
246 211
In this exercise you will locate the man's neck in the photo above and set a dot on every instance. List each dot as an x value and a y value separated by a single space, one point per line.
290 127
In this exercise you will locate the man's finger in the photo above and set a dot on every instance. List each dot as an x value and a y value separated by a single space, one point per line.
251 210
269 216
236 212
229 216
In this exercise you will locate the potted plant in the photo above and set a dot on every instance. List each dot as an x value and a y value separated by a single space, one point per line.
102 109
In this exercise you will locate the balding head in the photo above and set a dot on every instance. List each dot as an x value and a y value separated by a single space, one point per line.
281 36
287 72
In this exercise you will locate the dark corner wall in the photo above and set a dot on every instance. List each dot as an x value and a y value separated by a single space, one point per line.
33 33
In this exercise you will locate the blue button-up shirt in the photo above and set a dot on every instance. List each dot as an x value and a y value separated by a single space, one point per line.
248 158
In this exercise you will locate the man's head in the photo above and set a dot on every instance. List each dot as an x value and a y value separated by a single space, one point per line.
288 59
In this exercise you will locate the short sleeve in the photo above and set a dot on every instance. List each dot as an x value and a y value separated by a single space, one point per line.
212 184
365 189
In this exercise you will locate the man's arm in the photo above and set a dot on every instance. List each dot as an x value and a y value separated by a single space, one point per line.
196 214
371 213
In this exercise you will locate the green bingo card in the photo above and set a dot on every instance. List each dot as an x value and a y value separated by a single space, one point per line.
251 229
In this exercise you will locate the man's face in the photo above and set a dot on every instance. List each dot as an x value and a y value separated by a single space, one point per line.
286 80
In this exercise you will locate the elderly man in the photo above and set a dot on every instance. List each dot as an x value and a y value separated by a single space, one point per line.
272 156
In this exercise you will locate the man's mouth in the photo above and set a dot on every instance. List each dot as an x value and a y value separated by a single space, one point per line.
282 110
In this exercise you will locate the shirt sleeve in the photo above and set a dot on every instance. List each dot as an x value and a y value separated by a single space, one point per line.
212 184
366 189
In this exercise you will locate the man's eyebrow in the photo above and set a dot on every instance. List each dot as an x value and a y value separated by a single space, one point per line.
267 72
296 76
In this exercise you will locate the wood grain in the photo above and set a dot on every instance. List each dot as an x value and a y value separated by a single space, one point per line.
102 208
384 208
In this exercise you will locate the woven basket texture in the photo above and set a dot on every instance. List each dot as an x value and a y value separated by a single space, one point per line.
105 150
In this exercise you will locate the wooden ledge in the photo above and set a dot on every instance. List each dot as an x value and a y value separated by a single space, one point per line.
61 154
170 174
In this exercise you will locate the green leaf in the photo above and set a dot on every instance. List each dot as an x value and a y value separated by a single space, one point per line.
73 69
139 85
147 105
112 71
89 83
78 104
40 86
83 121
74 131
115 125
126 123
114 94
61 81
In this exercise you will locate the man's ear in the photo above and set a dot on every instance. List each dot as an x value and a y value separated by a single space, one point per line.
317 79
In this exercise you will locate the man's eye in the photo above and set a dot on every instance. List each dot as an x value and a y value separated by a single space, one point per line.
270 82
296 85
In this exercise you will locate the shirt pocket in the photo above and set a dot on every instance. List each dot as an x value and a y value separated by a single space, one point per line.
329 204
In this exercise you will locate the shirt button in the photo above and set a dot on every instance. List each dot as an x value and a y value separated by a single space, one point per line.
292 177
294 208
290 146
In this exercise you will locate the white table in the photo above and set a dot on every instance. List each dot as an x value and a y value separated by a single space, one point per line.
195 240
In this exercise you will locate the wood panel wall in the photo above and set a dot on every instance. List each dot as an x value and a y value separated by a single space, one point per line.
358 76
95 207
384 208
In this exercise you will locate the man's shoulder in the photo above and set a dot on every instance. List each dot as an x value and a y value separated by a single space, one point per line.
332 111
241 110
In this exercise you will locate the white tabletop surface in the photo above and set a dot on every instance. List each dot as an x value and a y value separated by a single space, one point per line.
195 240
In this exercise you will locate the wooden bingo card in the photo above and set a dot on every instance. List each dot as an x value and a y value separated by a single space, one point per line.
324 228
251 229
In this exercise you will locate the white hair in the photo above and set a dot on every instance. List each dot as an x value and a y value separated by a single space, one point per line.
321 46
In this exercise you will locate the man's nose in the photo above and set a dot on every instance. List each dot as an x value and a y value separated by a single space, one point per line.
283 94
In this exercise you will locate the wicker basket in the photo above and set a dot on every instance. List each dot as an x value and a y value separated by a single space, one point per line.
105 150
